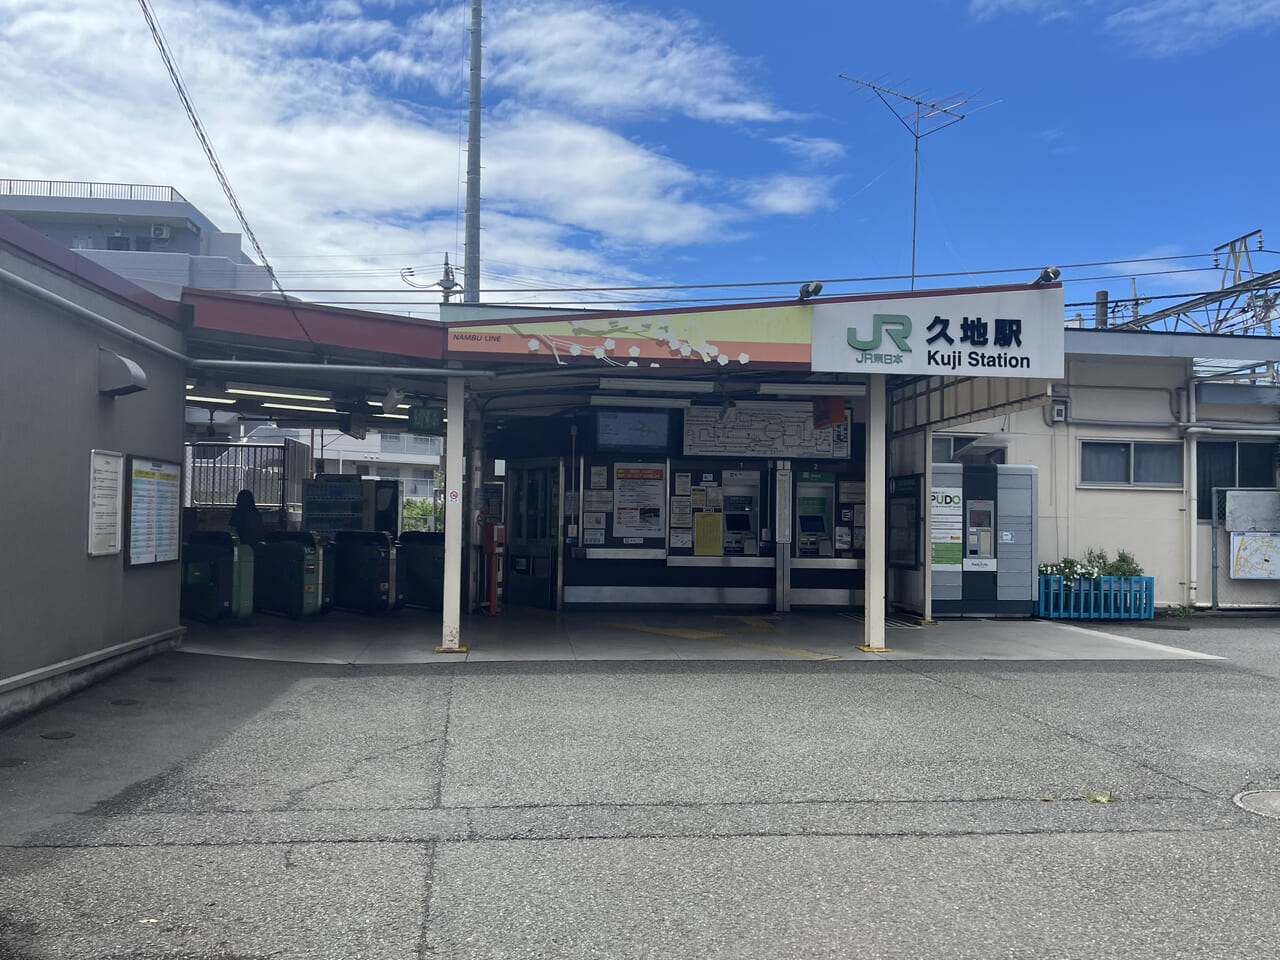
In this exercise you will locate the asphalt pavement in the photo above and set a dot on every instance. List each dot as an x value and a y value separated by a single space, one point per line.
201 807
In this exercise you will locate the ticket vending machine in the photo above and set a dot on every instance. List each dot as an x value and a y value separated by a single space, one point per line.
983 552
815 514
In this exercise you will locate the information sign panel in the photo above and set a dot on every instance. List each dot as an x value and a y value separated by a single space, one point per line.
106 502
155 511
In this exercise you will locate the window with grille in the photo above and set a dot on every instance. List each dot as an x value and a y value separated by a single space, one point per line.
1228 463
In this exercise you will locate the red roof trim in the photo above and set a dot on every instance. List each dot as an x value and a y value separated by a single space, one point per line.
297 322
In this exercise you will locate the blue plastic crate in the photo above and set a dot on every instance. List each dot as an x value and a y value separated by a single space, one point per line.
1097 598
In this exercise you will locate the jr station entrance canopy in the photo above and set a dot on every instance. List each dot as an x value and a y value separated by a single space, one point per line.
905 362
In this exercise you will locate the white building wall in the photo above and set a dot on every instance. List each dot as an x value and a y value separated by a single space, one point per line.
1108 399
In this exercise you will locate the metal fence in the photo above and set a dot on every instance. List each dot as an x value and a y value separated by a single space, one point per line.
217 472
1228 592
87 190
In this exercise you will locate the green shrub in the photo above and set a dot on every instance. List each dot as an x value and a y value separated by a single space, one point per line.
1096 563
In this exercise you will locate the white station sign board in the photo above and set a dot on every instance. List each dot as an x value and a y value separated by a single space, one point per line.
994 333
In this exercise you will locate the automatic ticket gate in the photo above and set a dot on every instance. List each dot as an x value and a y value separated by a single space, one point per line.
420 569
217 576
289 575
365 578
295 577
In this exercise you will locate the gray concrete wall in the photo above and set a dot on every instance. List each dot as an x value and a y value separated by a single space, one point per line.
61 606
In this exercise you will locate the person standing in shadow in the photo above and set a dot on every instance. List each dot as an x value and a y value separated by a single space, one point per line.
246 520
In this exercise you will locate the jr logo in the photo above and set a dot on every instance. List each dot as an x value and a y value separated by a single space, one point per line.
896 325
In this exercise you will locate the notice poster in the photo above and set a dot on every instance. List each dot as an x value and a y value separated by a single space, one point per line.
106 502
684 482
599 478
155 511
597 501
593 521
708 535
946 549
681 512
592 538
639 500
681 539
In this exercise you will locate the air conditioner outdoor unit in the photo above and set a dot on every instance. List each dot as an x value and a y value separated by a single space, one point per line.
159 231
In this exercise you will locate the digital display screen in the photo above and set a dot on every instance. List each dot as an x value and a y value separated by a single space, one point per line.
636 430
812 524
737 522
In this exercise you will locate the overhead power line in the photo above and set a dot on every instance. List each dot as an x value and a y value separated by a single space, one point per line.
793 283
176 77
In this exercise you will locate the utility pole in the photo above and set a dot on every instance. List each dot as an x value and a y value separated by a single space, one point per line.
471 252
921 118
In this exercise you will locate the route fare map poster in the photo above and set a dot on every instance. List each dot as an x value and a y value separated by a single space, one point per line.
155 511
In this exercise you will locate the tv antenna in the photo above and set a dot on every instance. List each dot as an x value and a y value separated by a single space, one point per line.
920 117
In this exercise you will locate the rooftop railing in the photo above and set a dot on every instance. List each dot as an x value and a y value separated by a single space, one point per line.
84 190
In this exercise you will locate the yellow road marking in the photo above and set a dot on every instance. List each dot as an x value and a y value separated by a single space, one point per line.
789 651
664 632
755 624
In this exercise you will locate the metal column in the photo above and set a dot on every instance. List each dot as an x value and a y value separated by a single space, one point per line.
876 533
454 452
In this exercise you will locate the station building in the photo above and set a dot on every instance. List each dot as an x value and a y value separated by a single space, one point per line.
774 455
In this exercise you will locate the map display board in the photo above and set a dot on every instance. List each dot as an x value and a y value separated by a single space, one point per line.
106 502
155 511
1255 556
763 429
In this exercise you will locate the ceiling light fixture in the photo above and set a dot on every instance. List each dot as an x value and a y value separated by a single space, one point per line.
279 393
294 406
670 402
815 389
659 386
191 397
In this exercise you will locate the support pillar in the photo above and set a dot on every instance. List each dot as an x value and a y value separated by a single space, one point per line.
877 503
454 453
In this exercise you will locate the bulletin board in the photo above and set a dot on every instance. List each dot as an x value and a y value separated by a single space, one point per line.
106 502
153 504
624 504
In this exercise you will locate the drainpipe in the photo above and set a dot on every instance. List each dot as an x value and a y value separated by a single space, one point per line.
1193 500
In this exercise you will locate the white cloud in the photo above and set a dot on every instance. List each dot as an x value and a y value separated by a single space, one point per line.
1046 9
599 57
1165 27
326 161
813 150
790 195
1154 27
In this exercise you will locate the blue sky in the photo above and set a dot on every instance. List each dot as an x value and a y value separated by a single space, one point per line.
655 143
